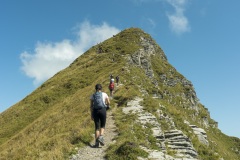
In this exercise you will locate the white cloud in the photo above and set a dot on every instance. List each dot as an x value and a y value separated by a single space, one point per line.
178 21
151 22
51 57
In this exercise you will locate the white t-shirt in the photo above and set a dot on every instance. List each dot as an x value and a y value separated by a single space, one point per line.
104 97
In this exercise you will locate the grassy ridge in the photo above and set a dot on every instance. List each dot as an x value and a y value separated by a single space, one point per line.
61 116
55 118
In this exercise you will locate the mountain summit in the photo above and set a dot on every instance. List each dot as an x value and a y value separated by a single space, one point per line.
156 110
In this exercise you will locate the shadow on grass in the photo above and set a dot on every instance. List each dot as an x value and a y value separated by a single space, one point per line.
77 140
120 100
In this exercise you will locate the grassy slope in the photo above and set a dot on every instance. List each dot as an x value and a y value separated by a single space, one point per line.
56 115
55 118
60 113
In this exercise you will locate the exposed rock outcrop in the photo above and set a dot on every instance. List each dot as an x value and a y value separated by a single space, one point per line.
142 59
180 143
201 134
174 141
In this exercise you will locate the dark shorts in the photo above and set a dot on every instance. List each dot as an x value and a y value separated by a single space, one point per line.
99 116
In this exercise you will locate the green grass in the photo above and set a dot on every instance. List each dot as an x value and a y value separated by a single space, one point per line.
54 119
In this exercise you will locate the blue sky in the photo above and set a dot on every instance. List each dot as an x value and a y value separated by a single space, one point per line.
199 37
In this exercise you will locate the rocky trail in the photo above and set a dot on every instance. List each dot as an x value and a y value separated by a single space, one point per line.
89 152
172 139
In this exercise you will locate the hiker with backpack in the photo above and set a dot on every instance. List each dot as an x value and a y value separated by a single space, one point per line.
111 87
99 104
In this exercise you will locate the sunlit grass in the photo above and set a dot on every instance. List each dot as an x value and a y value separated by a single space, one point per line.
55 119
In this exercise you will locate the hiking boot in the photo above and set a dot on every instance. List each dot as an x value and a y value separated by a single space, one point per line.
96 145
101 140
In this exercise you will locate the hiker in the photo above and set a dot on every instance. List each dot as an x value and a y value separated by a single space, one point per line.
111 77
111 87
99 104
117 80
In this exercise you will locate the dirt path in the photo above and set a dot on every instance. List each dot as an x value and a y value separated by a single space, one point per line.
89 152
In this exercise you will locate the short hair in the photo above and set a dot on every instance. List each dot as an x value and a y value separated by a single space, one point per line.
98 87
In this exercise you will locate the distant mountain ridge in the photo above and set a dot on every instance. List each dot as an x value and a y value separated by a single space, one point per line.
158 114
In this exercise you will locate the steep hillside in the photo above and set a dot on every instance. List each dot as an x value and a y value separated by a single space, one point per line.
156 109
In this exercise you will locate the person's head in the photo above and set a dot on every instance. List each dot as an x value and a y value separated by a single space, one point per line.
98 87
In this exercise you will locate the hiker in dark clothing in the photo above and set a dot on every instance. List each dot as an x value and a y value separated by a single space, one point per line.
99 102
111 77
117 80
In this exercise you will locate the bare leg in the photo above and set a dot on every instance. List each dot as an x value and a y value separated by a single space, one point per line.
101 131
101 139
111 94
97 134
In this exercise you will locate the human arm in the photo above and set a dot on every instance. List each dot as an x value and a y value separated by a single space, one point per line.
107 102
91 108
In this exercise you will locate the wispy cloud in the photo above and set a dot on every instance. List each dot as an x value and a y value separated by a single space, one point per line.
50 57
178 21
151 22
